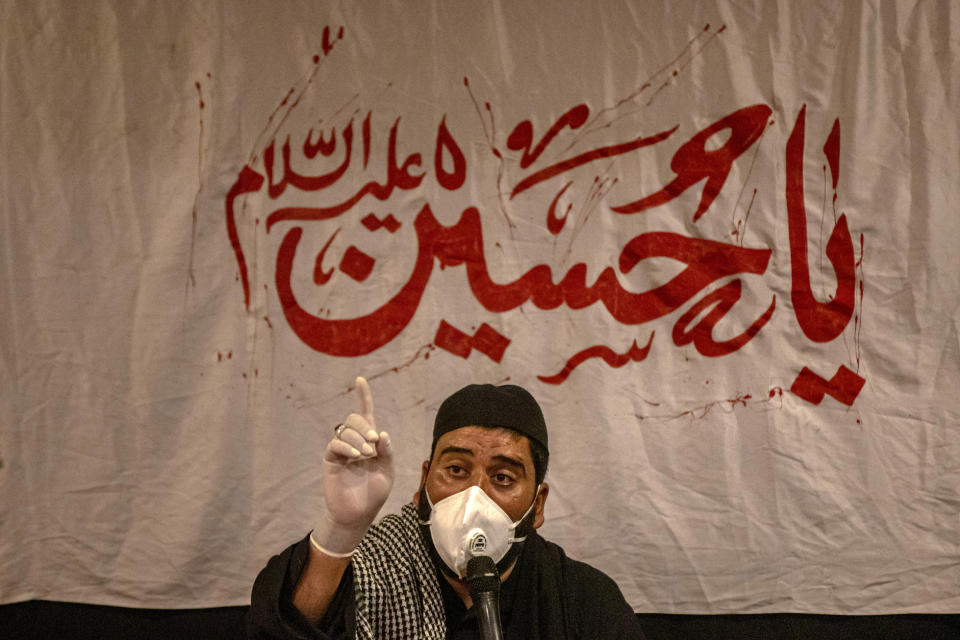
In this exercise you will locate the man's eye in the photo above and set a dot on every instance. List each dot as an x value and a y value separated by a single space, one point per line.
456 470
502 478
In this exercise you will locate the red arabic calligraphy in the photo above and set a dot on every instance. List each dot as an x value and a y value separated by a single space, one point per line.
399 175
712 269
608 355
821 322
462 244
693 163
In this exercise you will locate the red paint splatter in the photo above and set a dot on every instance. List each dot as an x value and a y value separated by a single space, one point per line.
326 43
423 352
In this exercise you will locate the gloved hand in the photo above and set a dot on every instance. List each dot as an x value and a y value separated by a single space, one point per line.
357 478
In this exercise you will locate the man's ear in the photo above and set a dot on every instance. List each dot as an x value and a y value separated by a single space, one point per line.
423 481
539 501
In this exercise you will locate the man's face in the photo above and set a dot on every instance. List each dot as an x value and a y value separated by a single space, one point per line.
496 460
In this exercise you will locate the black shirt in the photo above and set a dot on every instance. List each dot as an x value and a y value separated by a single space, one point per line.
547 595
462 623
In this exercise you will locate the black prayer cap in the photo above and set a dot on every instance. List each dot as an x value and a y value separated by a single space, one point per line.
485 405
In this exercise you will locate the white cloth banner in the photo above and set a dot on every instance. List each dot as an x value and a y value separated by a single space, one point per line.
717 241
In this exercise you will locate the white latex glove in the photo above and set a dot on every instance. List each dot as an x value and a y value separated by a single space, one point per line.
357 478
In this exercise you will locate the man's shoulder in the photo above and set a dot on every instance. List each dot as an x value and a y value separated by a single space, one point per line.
393 539
593 599
394 527
584 578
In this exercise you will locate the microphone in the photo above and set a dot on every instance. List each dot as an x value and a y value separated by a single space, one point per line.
484 581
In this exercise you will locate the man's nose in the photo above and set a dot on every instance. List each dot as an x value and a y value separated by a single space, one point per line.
482 480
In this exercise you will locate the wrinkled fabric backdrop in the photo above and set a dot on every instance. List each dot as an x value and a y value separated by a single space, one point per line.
716 240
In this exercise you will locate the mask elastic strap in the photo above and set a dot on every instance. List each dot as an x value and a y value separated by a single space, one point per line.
514 525
430 504
524 516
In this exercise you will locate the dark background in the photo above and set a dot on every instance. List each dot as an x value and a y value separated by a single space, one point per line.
38 620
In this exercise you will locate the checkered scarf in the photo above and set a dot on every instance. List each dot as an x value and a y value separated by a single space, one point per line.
395 583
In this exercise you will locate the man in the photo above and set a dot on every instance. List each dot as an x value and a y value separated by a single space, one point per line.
405 577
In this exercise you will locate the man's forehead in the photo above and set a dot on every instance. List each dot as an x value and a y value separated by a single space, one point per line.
472 438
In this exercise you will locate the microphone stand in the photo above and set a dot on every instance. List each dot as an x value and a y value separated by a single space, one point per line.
484 581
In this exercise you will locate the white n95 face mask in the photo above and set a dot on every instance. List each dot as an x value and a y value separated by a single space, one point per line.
470 523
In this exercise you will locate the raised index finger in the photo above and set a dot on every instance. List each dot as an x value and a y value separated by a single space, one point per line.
366 401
